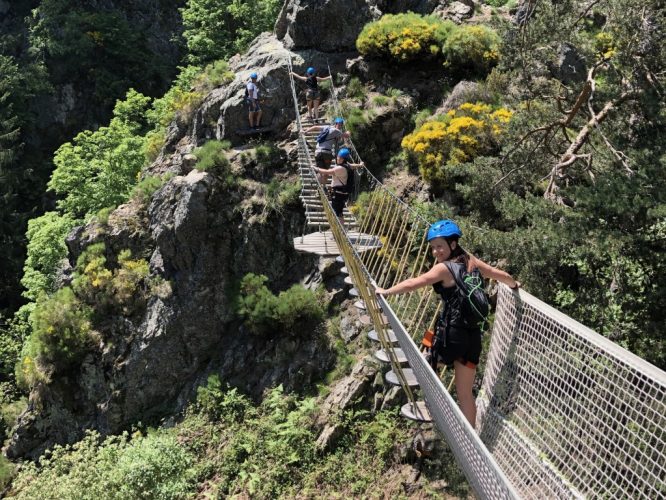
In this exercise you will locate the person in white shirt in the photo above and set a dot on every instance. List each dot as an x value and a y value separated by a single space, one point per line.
252 93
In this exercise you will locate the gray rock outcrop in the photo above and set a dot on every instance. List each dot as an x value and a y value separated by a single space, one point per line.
325 25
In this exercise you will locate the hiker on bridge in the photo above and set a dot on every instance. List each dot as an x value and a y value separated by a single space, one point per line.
343 181
458 337
328 140
312 95
252 97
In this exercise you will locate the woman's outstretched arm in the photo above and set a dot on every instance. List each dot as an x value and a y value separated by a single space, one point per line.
435 275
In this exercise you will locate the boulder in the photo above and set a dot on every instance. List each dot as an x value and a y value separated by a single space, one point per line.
457 11
324 25
570 66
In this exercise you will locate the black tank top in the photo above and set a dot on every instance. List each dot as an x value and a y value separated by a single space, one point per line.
311 83
452 308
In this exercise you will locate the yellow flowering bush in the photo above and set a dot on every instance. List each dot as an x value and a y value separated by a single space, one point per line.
475 48
404 37
459 136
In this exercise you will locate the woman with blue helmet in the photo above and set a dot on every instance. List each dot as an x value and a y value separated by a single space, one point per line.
312 94
343 176
457 343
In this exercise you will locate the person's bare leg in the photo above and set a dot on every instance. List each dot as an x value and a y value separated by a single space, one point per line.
257 119
310 115
250 118
315 106
464 382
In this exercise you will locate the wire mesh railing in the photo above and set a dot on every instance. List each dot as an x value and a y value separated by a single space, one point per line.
591 415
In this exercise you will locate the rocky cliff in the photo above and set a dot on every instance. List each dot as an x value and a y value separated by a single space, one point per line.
201 233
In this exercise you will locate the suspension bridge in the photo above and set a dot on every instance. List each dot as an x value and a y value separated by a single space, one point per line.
562 412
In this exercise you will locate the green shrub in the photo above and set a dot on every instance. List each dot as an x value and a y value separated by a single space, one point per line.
218 403
404 37
216 74
156 466
355 89
164 109
269 156
146 187
212 155
380 100
46 251
472 48
495 3
98 169
264 312
394 93
61 327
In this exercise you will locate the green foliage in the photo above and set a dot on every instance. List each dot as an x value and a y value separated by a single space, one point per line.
404 37
472 48
146 187
122 290
155 466
218 403
264 312
269 156
46 251
495 3
61 327
98 48
98 169
380 100
219 29
12 335
355 89
212 155
280 194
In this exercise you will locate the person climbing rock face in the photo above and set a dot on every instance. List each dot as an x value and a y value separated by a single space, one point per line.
458 337
312 94
343 181
252 96
328 141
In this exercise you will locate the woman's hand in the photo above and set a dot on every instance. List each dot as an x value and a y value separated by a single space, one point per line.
516 286
380 291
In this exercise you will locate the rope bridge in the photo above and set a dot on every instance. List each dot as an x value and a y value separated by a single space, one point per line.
562 412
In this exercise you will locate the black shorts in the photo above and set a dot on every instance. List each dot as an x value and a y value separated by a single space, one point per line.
312 95
323 159
253 105
457 344
338 200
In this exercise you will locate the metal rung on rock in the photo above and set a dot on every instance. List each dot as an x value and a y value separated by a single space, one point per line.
408 373
359 304
348 281
373 335
353 292
367 320
417 411
400 356
344 270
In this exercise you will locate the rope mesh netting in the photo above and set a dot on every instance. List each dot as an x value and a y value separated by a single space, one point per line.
593 415
563 412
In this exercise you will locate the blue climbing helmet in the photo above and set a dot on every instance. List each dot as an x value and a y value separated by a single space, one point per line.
444 229
344 153
339 120
253 75
311 71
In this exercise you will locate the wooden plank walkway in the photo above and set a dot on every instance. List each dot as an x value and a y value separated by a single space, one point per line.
323 243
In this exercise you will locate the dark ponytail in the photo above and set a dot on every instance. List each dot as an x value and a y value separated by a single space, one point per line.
458 254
